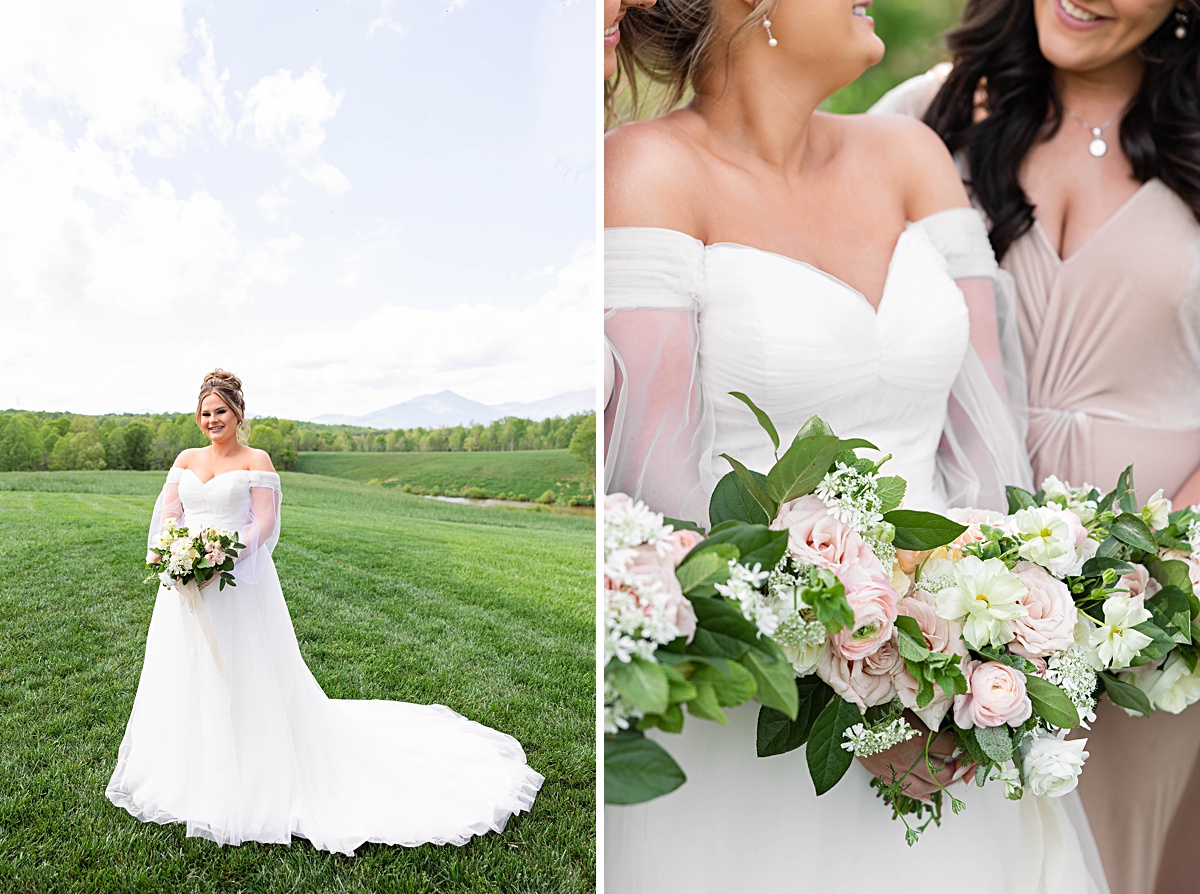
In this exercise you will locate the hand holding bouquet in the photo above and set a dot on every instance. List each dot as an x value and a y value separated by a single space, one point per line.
177 556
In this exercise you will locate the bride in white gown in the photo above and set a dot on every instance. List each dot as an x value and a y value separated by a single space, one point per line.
756 245
231 734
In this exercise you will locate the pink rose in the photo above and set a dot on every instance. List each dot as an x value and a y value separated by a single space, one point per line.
680 543
1140 583
873 600
816 537
867 682
1050 625
942 636
995 696
648 564
974 519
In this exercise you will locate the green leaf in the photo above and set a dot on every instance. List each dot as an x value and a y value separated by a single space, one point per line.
1125 695
1110 547
1097 565
709 567
637 770
1171 573
643 683
706 705
1126 496
814 426
805 463
678 687
911 639
670 721
732 687
1019 499
755 484
1132 530
995 741
827 760
778 733
1172 611
731 500
891 491
756 544
922 530
1051 703
763 419
1189 654
1161 644
721 631
680 524
971 745
773 676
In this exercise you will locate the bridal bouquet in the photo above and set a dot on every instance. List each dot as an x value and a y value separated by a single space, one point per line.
178 557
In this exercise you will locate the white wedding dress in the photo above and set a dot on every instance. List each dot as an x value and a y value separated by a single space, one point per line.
801 342
231 734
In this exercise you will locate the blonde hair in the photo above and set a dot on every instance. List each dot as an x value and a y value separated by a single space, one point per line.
228 387
668 44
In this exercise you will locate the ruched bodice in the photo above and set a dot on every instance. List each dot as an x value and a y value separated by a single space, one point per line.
1112 342
220 502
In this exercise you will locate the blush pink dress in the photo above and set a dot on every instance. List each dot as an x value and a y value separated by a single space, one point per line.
1111 337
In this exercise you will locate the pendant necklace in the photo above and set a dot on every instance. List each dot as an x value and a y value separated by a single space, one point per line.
1097 147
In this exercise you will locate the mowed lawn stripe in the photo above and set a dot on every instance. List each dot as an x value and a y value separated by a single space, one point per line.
487 611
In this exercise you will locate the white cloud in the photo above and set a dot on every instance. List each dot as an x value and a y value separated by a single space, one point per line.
455 5
385 22
272 203
287 115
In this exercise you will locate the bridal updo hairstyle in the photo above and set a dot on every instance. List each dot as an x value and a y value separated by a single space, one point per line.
228 387
669 43
996 55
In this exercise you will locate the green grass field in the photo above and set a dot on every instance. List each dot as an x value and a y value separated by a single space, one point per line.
392 596
520 472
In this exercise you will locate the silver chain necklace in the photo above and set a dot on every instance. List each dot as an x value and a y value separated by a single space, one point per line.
1097 147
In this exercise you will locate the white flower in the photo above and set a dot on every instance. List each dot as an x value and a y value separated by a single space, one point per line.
803 640
1074 672
1173 688
165 579
743 588
1050 766
1011 777
1193 534
1051 537
1115 641
988 596
1072 498
1157 510
852 497
865 741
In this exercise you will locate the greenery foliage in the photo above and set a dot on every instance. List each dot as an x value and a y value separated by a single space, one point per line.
40 441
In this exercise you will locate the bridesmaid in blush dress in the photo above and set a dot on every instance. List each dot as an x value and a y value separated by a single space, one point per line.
1077 129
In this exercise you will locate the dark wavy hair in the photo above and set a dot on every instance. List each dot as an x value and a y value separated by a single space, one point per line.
999 66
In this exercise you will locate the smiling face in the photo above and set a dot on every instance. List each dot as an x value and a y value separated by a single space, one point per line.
614 11
1086 36
836 37
216 419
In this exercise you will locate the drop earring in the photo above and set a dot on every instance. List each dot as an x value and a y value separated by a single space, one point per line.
771 41
1181 24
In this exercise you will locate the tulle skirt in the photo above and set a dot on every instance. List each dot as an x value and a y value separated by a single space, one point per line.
244 745
744 823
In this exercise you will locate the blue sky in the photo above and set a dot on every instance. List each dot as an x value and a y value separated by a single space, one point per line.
347 203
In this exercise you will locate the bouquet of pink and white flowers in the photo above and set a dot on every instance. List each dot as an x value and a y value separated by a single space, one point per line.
177 556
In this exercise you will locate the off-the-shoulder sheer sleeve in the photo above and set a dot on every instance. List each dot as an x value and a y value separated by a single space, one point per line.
914 96
262 533
658 425
983 447
167 506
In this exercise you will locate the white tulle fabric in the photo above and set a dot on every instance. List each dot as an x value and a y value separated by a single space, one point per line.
260 753
689 323
686 323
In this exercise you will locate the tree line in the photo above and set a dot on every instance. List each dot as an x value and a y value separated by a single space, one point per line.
41 441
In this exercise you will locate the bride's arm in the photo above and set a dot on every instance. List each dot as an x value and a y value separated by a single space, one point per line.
262 532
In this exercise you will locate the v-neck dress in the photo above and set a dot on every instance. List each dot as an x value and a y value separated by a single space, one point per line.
1111 337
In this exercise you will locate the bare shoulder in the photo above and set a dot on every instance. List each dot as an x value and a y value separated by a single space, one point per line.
260 460
651 174
186 457
917 162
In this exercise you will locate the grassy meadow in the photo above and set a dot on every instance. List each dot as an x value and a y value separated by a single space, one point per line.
525 474
490 612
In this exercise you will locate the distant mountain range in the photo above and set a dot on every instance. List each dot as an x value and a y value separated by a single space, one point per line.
448 408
